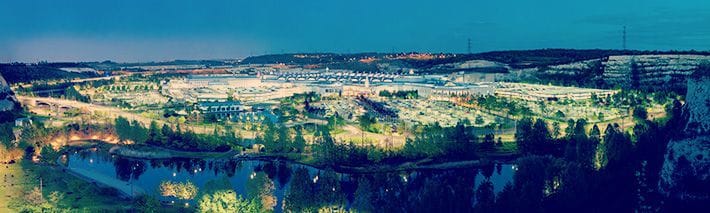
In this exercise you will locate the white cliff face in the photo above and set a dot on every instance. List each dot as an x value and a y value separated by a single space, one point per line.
698 106
686 170
653 70
7 99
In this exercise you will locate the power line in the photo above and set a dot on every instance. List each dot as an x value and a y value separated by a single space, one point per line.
623 44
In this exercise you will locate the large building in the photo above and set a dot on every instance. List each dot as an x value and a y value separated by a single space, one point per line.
221 109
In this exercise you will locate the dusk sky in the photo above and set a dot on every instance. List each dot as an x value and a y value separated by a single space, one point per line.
145 30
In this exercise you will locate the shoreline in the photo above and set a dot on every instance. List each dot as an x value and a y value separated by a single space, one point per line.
157 153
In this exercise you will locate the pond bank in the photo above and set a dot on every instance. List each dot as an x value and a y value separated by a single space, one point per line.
153 152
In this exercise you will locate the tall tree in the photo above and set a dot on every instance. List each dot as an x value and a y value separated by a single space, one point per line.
485 198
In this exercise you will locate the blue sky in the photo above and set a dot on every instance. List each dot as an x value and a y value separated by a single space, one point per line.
147 30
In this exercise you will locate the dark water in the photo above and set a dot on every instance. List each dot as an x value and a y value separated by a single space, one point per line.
282 185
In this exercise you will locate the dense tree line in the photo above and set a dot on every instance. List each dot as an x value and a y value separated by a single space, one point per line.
177 138
578 171
434 142
404 94
72 94
22 73
454 143
276 138
494 103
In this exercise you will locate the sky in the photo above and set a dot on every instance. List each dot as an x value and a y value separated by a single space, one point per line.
154 30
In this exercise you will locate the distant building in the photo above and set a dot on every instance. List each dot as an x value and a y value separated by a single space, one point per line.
221 109
23 122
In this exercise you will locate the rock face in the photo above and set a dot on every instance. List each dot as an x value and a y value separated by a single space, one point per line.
686 170
670 71
8 102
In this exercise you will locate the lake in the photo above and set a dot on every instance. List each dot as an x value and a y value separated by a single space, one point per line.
279 184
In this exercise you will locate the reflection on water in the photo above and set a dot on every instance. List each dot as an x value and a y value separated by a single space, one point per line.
281 185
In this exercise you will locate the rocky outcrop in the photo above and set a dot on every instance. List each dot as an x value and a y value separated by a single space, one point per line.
651 71
8 102
471 65
686 171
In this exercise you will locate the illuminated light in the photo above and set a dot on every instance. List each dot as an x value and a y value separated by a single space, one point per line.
174 174
195 171
315 179
91 160
187 205
333 188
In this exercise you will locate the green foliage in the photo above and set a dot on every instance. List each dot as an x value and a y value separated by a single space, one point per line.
174 139
368 122
532 137
513 107
72 94
404 94
19 72
183 191
479 120
226 201
485 197
640 113
456 142
300 196
146 203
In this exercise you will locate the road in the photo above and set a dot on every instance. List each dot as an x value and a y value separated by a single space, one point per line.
111 113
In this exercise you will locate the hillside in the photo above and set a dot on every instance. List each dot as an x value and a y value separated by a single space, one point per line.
22 73
516 59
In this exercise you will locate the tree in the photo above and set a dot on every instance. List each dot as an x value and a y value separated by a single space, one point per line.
299 143
461 143
364 196
55 197
559 114
479 120
155 135
505 201
556 131
48 154
570 128
226 201
184 191
485 198
640 113
488 142
284 140
300 196
540 137
35 197
617 147
523 131
123 128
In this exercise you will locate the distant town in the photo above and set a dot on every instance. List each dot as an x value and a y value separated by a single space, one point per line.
333 118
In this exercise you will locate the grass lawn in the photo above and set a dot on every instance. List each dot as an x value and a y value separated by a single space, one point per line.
77 193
